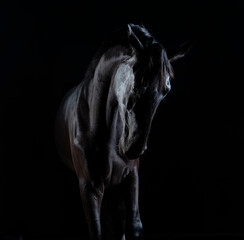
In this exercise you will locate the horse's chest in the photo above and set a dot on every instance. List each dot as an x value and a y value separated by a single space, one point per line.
119 170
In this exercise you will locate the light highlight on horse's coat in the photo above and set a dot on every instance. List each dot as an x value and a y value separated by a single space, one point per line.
123 86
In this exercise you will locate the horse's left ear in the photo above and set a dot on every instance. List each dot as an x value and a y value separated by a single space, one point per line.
134 40
180 52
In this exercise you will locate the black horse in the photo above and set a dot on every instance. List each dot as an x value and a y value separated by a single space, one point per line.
103 123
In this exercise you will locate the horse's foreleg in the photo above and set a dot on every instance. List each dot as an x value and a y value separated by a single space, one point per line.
91 200
133 221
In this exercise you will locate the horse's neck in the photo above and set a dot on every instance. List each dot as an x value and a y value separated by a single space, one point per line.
98 87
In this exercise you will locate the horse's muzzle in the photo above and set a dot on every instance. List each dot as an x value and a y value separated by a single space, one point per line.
135 153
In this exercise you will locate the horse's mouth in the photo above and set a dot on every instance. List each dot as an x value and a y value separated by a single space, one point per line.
134 153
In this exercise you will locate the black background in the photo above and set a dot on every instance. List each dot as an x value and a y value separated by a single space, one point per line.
191 178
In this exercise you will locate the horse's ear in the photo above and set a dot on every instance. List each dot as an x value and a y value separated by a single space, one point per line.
134 40
180 52
129 30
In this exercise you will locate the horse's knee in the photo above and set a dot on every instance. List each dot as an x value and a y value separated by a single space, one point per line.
89 187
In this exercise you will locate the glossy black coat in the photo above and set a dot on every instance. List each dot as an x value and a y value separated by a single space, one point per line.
103 125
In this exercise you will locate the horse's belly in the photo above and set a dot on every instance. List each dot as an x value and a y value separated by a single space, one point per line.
63 143
62 138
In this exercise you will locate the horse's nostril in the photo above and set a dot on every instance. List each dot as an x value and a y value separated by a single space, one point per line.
135 152
143 150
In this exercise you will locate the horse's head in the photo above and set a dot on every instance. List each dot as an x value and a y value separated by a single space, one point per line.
141 85
153 73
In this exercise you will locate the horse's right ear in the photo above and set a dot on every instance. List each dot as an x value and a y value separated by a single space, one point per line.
180 52
133 39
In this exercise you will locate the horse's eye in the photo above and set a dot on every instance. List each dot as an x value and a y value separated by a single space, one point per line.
167 83
167 86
